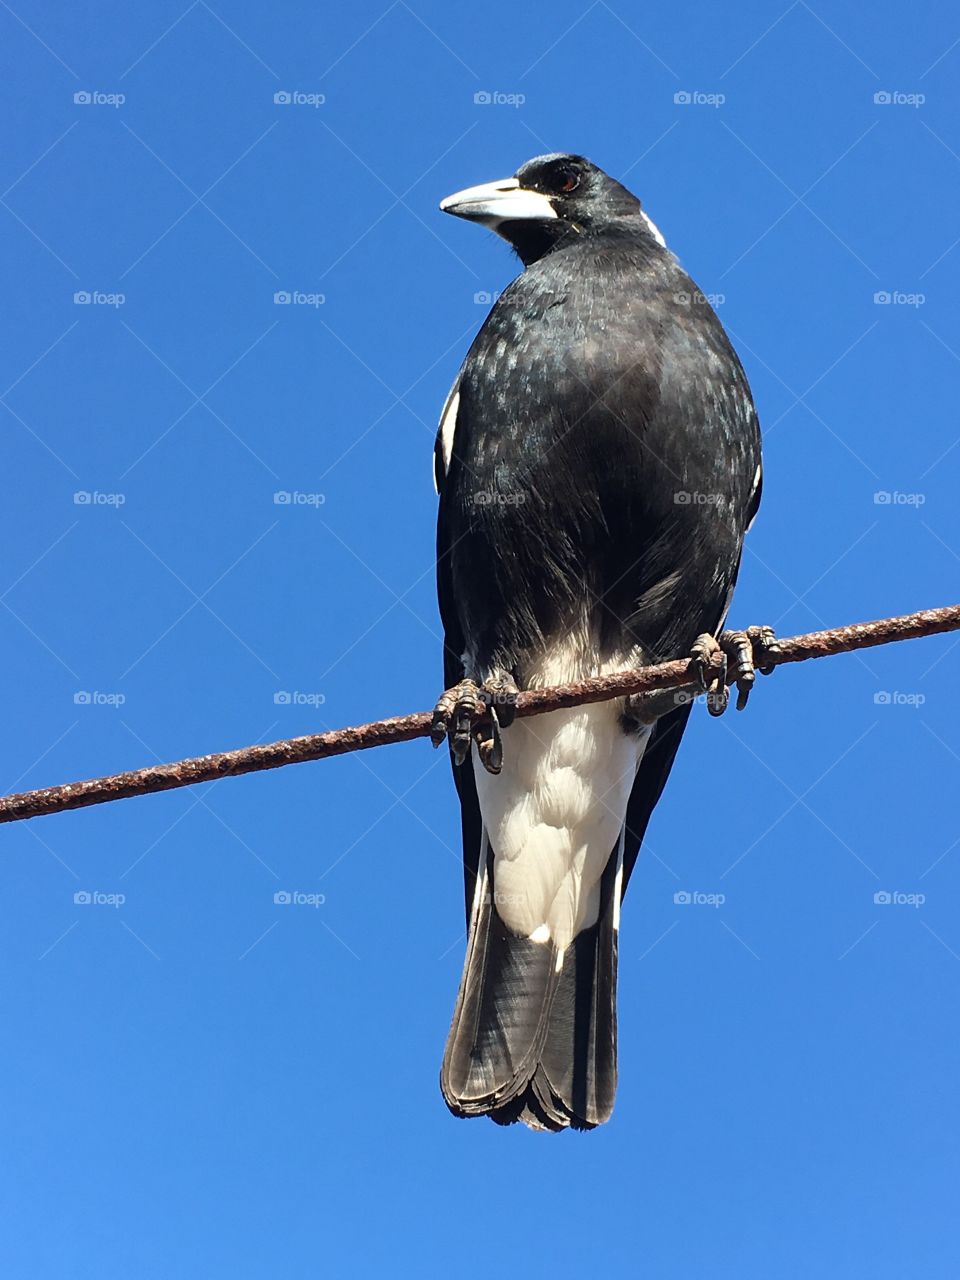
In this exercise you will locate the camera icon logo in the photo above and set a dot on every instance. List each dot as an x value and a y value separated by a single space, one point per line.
282 898
883 98
282 298
83 98
682 98
483 98
283 97
83 897
282 698
682 898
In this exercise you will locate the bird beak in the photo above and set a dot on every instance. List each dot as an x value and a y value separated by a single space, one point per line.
494 202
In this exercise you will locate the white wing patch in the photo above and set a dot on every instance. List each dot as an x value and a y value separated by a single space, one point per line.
753 493
445 433
654 230
556 811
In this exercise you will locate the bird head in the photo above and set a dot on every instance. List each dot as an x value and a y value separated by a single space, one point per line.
545 199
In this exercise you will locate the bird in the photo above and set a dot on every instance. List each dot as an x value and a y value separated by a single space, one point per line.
598 465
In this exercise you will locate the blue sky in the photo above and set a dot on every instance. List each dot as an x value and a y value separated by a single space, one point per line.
198 1081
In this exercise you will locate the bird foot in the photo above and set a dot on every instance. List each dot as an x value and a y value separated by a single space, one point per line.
471 712
750 651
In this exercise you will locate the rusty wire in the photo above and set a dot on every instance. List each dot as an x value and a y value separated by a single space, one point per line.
319 746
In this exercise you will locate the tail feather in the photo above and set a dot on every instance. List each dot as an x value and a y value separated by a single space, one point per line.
499 1020
532 1040
578 1061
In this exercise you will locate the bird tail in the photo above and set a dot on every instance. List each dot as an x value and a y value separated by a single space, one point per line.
534 1033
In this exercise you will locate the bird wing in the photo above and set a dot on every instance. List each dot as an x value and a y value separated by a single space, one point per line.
453 645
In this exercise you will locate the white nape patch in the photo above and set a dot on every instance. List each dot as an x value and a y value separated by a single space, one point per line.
654 230
540 934
448 425
555 812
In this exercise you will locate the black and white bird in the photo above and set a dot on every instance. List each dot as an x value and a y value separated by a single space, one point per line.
598 464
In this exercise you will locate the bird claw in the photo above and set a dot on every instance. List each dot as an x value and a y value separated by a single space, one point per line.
749 651
712 679
475 713
457 711
765 646
500 693
486 735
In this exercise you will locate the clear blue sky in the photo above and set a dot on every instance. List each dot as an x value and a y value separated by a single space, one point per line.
196 1081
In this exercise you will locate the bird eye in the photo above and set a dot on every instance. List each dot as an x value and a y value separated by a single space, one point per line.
568 181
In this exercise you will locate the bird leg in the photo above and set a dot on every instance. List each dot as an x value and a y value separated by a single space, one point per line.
475 712
749 651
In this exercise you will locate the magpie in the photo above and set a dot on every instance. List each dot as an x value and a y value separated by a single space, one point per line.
597 464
